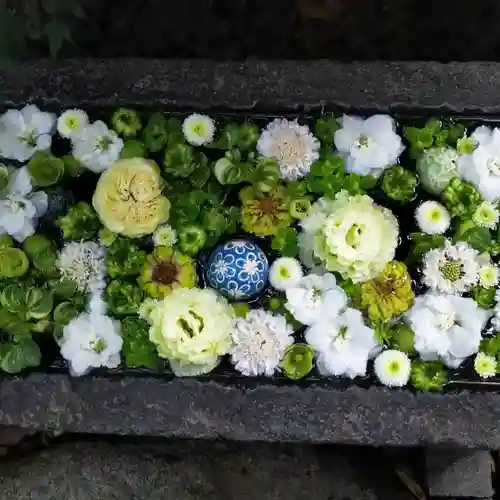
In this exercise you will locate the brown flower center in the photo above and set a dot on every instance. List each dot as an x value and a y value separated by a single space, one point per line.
164 272
268 205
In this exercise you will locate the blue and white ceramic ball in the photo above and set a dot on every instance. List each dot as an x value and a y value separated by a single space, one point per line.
237 269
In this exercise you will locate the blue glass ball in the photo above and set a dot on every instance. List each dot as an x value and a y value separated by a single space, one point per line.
237 269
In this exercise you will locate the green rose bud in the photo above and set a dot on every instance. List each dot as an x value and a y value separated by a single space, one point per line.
126 122
399 184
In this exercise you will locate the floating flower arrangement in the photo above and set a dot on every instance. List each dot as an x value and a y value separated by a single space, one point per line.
338 247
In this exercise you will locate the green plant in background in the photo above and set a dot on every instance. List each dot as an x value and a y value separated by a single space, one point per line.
123 298
80 223
138 351
124 258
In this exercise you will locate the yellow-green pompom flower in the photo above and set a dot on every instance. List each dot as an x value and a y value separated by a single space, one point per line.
198 129
432 217
393 368
165 236
485 366
192 328
285 273
128 198
488 275
486 215
71 123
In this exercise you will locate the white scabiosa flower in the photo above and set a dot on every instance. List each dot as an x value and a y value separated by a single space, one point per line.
452 269
368 146
293 146
432 217
393 368
446 327
83 263
91 341
314 297
488 275
285 273
97 147
486 215
485 366
165 236
24 132
259 343
343 344
72 123
198 129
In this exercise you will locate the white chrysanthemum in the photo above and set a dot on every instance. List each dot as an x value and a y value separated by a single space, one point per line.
97 147
285 273
350 235
393 368
72 123
343 344
432 217
20 207
486 215
198 129
368 146
24 132
452 269
165 236
446 327
315 297
192 329
83 263
91 341
485 366
488 275
293 146
482 167
259 343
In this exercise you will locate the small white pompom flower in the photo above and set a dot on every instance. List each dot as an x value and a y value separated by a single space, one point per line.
393 368
293 146
71 123
198 129
484 365
285 273
488 275
165 236
432 217
486 215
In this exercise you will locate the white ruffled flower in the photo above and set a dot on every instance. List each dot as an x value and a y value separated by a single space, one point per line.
432 217
496 310
446 327
343 344
488 275
293 146
314 297
259 342
24 132
97 147
198 129
486 215
485 366
393 368
368 146
91 341
83 263
20 207
165 236
482 167
452 269
72 123
285 273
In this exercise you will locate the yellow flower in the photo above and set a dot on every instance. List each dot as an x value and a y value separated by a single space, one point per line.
128 198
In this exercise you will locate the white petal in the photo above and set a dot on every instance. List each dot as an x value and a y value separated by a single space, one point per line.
40 201
378 125
20 182
27 230
13 222
43 142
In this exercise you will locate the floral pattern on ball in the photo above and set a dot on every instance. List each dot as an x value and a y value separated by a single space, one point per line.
238 269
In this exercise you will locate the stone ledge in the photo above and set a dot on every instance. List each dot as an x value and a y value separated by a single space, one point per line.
213 409
293 86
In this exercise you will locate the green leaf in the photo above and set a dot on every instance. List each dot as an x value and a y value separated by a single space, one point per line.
15 357
478 238
12 324
422 243
285 242
64 313
137 349
45 169
325 128
57 31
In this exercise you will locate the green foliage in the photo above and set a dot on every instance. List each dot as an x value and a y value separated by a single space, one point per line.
124 258
13 263
422 243
192 239
17 355
240 309
45 169
64 313
428 376
137 350
477 237
233 136
485 297
399 184
126 122
266 174
27 302
402 337
6 241
325 128
72 167
300 208
42 253
80 223
181 160
491 346
285 242
297 361
4 176
133 148
461 198
122 297
155 135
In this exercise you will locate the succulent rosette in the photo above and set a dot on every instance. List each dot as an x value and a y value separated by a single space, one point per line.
352 235
128 198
